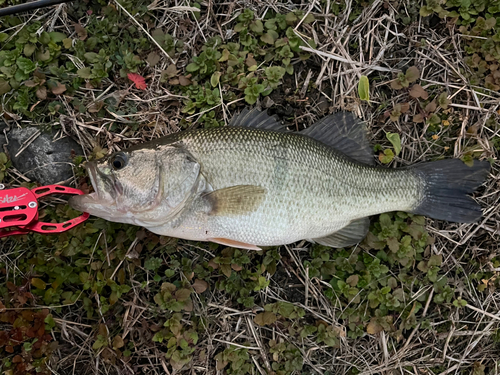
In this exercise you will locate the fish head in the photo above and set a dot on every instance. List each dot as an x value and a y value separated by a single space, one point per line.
145 186
126 184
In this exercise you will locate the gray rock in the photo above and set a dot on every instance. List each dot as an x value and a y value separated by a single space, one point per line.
3 142
44 160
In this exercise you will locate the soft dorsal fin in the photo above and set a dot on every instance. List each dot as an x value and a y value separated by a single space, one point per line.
257 119
350 235
345 133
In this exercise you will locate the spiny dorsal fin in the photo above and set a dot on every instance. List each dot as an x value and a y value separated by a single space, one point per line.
235 200
257 119
345 133
350 235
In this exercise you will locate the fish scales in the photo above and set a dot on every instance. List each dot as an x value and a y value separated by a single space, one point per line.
312 190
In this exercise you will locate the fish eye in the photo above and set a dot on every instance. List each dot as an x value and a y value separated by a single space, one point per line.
119 161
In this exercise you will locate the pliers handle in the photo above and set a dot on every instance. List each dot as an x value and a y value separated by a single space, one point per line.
19 208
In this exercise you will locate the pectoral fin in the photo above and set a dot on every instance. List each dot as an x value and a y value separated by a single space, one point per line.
232 243
235 200
350 235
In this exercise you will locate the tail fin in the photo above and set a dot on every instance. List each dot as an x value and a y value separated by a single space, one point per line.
447 183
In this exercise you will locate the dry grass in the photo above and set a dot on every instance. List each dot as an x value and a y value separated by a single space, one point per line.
384 47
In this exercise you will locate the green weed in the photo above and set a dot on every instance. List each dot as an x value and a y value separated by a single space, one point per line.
369 292
478 21
237 359
253 66
180 340
35 68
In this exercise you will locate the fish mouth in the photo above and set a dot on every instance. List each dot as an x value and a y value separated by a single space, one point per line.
92 171
86 202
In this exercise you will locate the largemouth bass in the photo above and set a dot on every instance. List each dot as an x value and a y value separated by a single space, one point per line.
254 183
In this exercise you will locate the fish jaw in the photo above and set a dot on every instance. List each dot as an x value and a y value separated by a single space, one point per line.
101 202
89 203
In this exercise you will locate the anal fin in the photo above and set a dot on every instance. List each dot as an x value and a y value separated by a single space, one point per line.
233 243
350 235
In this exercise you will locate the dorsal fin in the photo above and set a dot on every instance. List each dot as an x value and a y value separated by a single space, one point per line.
255 118
345 133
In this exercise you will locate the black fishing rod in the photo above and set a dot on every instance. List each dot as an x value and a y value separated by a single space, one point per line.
29 6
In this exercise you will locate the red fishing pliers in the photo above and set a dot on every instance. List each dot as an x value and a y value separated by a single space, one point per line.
19 210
